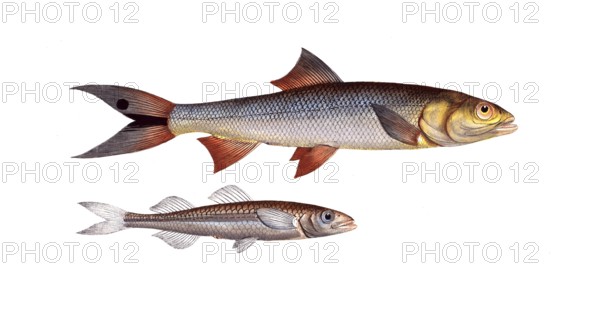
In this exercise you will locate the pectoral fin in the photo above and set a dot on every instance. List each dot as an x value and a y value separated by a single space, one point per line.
277 219
243 244
312 159
396 126
226 152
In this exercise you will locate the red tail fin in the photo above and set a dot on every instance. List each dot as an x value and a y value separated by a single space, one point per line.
149 112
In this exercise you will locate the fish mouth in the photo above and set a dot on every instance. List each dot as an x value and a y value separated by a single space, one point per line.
506 127
347 225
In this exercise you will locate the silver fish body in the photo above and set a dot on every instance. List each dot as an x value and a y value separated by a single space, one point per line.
316 112
338 115
233 221
236 217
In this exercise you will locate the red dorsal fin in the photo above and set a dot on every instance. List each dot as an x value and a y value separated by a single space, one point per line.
226 152
309 71
300 152
313 159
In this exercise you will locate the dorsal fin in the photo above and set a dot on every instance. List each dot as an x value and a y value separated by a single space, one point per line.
309 71
229 194
171 204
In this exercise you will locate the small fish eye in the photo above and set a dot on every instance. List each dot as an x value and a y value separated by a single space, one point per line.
484 111
327 216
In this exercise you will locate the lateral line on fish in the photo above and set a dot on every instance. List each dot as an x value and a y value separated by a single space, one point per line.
195 218
281 112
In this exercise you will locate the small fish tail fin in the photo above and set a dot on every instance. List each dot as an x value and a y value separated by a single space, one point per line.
149 112
114 217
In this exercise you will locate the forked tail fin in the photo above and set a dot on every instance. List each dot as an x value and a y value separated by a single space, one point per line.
114 218
149 112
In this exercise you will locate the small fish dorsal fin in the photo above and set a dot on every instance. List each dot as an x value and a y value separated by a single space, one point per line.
229 194
309 71
171 204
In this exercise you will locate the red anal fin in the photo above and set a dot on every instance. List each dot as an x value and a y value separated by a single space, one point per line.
300 152
314 159
309 71
226 152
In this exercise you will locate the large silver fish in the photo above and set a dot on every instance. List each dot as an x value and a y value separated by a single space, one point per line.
316 112
235 217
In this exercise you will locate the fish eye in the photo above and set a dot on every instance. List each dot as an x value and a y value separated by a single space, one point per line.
327 216
484 111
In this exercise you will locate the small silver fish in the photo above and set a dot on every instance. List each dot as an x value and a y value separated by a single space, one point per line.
236 217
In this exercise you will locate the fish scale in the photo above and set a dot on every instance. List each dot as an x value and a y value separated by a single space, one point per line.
337 114
234 220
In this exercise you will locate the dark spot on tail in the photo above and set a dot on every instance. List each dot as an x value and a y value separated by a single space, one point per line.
122 104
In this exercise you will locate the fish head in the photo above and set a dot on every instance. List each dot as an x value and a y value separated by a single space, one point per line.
458 119
325 222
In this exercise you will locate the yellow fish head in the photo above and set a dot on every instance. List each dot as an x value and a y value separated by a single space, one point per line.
460 119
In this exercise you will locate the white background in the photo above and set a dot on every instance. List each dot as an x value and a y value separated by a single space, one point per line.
171 52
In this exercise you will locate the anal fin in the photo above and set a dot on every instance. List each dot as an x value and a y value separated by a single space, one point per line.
177 240
226 152
313 159
243 244
301 151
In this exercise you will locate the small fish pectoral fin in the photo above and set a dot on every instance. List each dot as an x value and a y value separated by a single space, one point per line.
308 71
301 151
243 244
171 204
396 126
177 240
277 219
226 152
229 194
313 159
